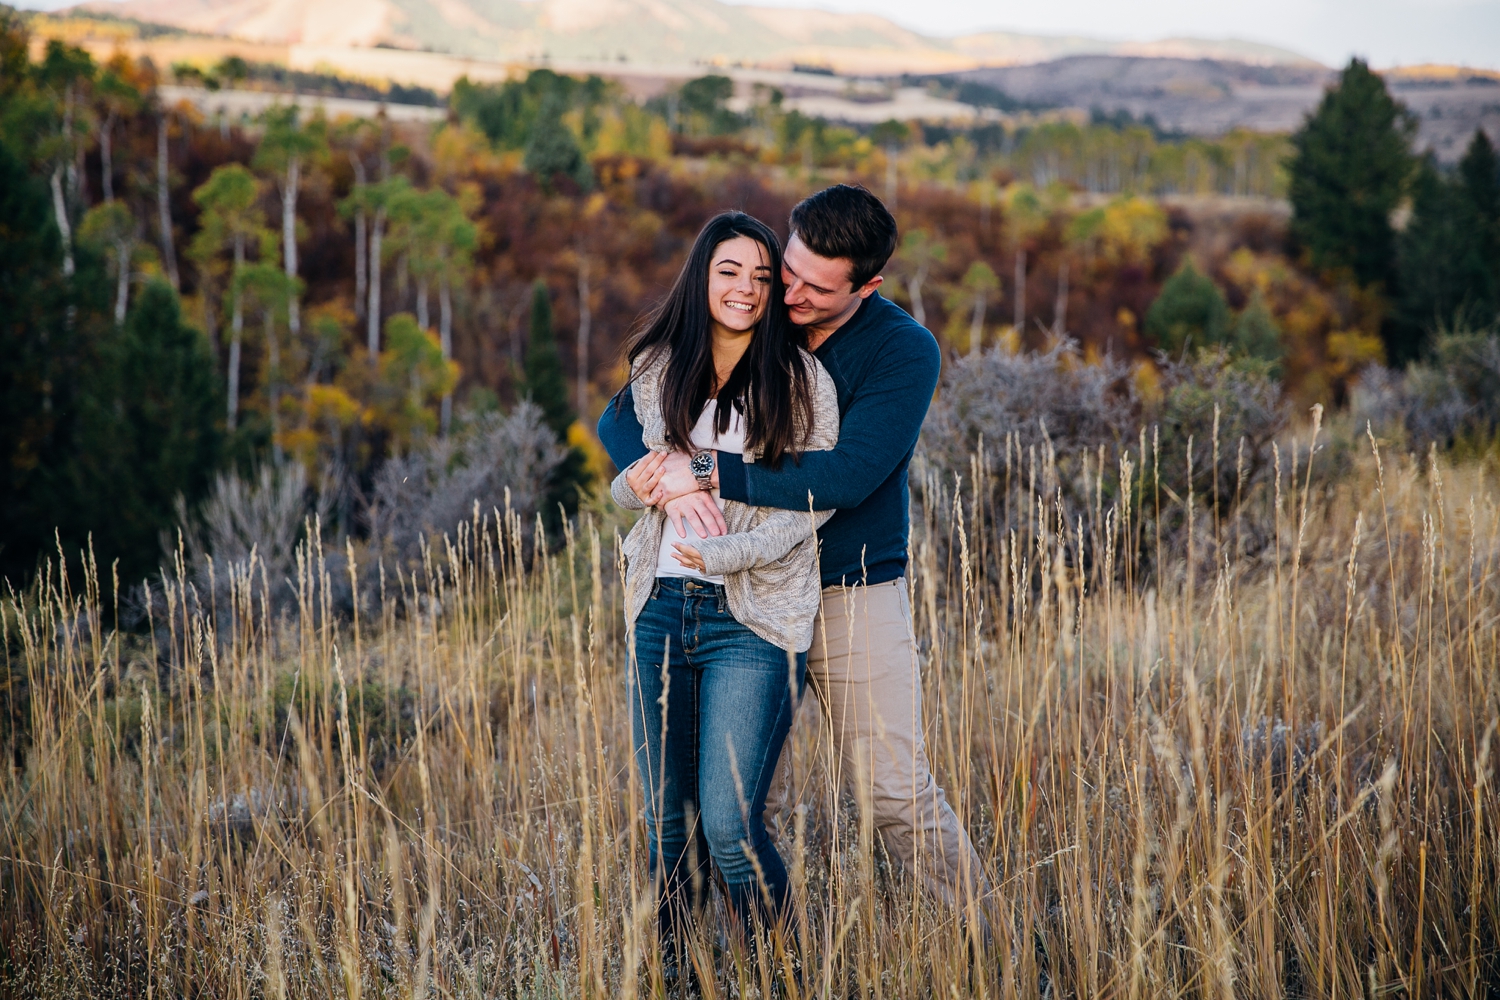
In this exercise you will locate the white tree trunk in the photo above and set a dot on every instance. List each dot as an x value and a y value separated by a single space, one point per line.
914 289
164 205
289 242
373 310
60 209
445 338
122 280
422 316
236 328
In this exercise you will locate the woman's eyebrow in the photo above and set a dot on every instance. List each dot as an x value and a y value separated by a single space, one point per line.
729 260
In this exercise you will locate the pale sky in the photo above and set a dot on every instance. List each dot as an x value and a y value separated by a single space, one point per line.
1385 32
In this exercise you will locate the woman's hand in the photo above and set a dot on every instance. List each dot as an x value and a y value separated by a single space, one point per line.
644 476
699 510
689 557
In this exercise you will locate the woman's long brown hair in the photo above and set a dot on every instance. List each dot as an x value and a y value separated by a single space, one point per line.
770 384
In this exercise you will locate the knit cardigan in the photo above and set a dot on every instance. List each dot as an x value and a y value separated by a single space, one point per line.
769 557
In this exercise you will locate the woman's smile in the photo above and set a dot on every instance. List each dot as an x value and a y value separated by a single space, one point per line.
739 282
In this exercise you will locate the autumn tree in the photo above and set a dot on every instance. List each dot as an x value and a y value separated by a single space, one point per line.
1189 312
287 147
230 221
1349 169
918 255
1450 248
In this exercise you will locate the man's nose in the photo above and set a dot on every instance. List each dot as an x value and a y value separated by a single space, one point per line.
793 291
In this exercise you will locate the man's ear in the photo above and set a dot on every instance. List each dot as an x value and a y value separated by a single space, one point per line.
864 291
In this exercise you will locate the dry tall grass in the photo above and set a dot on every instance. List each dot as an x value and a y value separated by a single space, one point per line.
1263 771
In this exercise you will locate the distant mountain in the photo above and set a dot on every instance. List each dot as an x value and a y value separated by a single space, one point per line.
1213 96
651 32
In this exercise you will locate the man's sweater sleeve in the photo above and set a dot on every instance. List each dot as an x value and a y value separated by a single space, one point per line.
879 428
620 431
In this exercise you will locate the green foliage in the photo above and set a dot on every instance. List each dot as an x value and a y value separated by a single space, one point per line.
701 106
156 436
890 133
552 150
544 383
414 377
432 228
34 366
1189 311
1348 171
288 137
1256 333
543 380
508 113
1450 249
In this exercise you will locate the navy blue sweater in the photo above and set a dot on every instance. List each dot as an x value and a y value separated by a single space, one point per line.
886 368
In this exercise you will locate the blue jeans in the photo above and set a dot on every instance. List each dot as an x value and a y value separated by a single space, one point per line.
707 750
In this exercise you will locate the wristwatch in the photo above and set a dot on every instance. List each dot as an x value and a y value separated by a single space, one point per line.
702 466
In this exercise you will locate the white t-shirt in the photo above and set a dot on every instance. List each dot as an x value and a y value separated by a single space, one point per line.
704 438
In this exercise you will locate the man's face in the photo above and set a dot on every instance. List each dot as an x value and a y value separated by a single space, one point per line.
818 292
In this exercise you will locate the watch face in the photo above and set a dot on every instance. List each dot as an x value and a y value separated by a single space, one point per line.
703 463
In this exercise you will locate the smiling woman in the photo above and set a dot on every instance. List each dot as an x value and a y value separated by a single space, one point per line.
720 596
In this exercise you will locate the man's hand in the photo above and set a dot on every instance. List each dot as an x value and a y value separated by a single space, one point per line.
644 475
690 557
677 478
699 510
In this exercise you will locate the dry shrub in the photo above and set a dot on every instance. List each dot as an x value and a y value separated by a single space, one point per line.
1451 397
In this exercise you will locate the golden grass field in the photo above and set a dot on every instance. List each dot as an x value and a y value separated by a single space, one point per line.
1264 771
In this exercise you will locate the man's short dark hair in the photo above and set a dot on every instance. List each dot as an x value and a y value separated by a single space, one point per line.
846 220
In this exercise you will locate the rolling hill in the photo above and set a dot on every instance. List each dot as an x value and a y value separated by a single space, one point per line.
650 32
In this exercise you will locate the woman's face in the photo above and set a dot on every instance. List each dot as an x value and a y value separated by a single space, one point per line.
739 284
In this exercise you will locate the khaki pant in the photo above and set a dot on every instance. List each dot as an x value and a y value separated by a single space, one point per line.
864 667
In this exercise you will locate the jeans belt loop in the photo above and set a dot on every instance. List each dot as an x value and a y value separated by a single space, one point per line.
655 588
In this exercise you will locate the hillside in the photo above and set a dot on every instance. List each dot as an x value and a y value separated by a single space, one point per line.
652 32
1215 96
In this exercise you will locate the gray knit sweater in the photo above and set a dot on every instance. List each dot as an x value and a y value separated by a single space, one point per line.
769 558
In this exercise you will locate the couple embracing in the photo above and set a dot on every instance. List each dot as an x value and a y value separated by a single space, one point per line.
773 406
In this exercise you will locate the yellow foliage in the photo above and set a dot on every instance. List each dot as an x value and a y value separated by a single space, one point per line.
1351 350
1131 229
1147 383
596 459
414 377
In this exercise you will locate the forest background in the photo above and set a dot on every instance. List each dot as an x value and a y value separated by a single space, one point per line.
185 296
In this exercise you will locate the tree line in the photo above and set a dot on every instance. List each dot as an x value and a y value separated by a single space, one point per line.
184 296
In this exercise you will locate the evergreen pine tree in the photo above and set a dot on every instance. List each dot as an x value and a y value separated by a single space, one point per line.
543 379
1479 182
1190 311
1434 288
32 297
544 384
51 330
151 431
1349 167
552 151
1256 334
